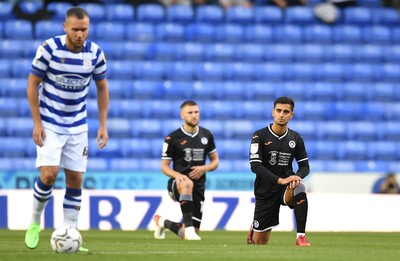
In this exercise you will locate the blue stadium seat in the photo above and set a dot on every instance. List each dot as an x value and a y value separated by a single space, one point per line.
296 90
59 8
180 14
225 165
385 16
113 50
377 34
361 72
20 68
393 165
119 128
299 15
19 127
332 130
150 164
206 90
162 51
146 128
340 53
233 90
169 125
352 150
200 32
190 51
160 109
150 13
357 15
317 166
390 130
24 164
391 54
150 70
132 50
288 34
121 69
136 148
233 149
6 164
268 15
13 147
5 65
11 49
383 150
363 131
30 47
217 127
157 145
390 72
310 53
340 166
251 110
6 11
218 110
209 14
97 164
260 91
349 34
211 71
372 166
394 113
142 89
140 32
119 12
343 111
180 70
317 33
176 90
385 92
323 91
18 29
93 124
220 52
230 33
240 15
314 110
109 31
30 7
270 72
249 52
238 71
324 149
241 165
171 32
45 29
369 53
238 129
395 35
125 164
376 111
280 53
127 109
332 72
259 33
305 128
301 72
97 11
369 3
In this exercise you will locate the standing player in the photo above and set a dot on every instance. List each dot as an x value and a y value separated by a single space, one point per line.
57 89
272 151
187 147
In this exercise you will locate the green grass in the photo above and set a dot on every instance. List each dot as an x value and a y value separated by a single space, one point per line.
216 245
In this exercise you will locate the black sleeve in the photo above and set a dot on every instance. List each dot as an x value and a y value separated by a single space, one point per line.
302 159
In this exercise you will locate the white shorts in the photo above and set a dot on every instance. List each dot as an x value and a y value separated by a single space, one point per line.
66 151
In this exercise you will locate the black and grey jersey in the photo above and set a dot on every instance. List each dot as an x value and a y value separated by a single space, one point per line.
275 154
186 150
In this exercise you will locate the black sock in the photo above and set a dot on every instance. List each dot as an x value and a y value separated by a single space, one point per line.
187 212
173 226
300 211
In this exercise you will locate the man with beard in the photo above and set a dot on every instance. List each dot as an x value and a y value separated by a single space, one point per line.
188 148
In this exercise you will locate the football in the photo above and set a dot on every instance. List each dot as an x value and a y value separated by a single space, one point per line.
66 240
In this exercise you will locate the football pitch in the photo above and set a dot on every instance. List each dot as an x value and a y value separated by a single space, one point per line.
119 245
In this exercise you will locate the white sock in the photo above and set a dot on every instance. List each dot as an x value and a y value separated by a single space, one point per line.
37 210
301 234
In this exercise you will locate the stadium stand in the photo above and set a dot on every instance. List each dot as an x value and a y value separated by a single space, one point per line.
234 62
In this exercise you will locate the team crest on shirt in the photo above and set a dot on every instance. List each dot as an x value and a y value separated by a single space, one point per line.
273 157
204 140
87 62
292 144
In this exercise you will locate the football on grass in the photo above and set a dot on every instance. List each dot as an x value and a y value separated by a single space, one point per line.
66 240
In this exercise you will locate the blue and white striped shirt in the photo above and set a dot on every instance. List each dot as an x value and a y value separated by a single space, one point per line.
66 77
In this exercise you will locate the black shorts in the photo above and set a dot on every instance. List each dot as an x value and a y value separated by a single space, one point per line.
198 200
266 212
